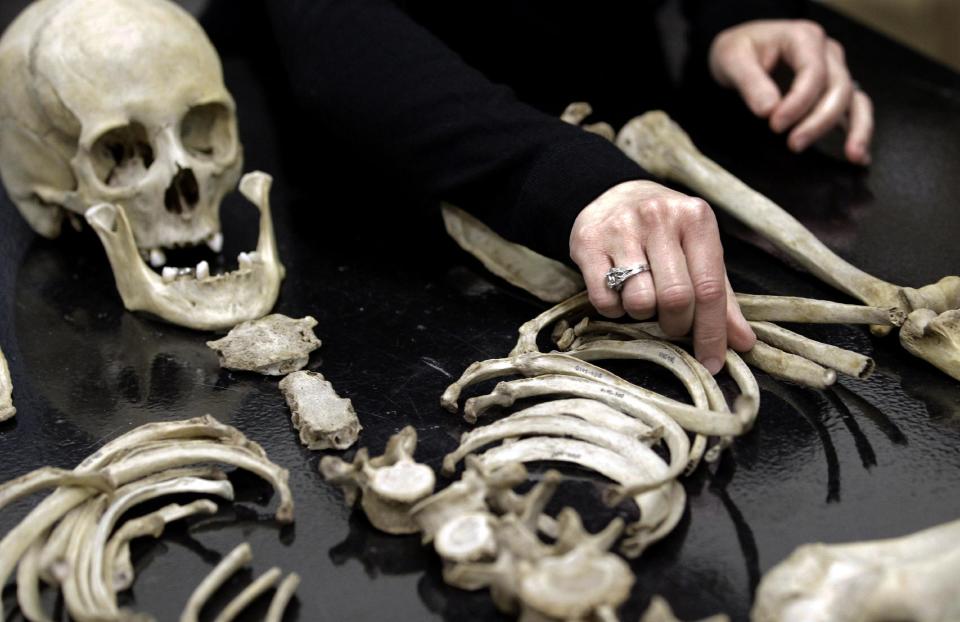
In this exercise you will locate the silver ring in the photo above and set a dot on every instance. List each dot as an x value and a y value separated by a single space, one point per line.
617 275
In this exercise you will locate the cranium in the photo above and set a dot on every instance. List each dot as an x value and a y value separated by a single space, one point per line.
121 102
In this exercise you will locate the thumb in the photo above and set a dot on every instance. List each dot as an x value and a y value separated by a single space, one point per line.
738 66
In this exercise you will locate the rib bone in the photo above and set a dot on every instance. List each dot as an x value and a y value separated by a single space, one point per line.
228 566
282 597
249 594
909 578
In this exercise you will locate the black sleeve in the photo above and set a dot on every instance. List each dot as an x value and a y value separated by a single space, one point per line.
371 75
708 18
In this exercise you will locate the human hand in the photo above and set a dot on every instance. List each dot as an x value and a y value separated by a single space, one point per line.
822 95
641 222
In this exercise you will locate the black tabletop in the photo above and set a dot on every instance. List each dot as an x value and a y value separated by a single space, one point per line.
402 312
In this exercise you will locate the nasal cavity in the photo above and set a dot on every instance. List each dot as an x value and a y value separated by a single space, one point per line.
183 193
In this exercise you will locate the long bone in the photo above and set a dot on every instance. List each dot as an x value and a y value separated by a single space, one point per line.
788 366
844 361
760 308
537 364
913 577
605 462
76 584
6 391
50 477
661 147
28 584
228 566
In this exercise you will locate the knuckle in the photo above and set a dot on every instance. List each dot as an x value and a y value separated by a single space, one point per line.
709 290
836 48
675 297
639 302
605 304
698 211
812 29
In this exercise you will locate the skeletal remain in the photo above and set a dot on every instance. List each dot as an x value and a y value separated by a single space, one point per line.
536 364
666 509
787 366
913 577
660 146
530 330
159 153
545 278
228 566
65 536
6 391
659 610
811 311
249 594
50 477
274 345
577 112
212 303
325 420
934 338
839 359
282 597
467 537
387 486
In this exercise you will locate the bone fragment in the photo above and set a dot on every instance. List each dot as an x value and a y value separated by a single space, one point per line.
545 278
659 610
249 594
228 566
689 417
527 342
281 598
325 420
934 338
388 486
839 359
612 466
762 308
274 345
661 147
789 366
913 577
50 477
216 303
6 391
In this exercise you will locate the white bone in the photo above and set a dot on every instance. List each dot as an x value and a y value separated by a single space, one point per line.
274 345
659 610
50 477
249 594
934 338
228 566
545 278
281 598
847 362
388 486
6 391
913 577
812 311
787 366
325 420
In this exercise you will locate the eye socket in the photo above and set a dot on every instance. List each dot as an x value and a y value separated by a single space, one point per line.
122 156
207 131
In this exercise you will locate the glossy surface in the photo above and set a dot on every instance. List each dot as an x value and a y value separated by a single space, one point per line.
401 312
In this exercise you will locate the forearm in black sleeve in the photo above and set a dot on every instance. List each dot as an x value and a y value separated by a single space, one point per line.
373 76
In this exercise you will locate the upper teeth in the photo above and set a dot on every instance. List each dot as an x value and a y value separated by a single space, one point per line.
215 242
157 257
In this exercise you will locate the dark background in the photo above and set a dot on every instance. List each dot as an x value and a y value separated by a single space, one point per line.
401 312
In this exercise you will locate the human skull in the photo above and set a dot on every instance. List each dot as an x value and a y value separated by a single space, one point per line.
122 103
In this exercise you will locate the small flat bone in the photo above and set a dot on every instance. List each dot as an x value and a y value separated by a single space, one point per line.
789 366
325 420
274 345
6 391
228 566
545 278
844 361
811 311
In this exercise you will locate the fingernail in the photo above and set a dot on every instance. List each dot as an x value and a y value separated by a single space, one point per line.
713 365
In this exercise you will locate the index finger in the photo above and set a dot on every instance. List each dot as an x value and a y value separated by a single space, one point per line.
701 245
